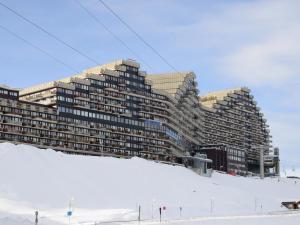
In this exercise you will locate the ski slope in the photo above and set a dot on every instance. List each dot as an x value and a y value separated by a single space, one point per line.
103 189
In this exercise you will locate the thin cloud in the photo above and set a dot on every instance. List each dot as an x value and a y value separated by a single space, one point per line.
269 63
271 53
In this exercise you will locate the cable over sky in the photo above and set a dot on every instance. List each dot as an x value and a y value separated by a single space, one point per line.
39 49
130 28
115 36
44 30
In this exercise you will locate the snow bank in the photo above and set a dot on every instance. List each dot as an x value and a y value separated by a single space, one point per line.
110 189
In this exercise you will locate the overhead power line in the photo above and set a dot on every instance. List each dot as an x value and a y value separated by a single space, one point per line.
48 33
38 48
137 35
111 32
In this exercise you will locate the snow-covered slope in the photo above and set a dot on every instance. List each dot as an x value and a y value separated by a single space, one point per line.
110 189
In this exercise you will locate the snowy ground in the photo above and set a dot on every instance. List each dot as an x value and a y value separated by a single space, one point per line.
290 219
291 173
110 189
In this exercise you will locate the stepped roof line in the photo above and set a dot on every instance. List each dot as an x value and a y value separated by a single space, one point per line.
169 82
105 68
211 98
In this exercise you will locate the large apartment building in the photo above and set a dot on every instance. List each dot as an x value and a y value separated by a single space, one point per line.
233 120
118 110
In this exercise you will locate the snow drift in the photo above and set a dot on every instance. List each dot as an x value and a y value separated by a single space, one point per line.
110 189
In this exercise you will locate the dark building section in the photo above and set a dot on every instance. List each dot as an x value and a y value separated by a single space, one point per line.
218 155
8 93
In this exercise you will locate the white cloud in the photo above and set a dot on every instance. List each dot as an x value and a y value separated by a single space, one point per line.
271 53
272 62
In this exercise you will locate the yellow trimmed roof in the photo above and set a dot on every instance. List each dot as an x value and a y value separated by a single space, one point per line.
211 98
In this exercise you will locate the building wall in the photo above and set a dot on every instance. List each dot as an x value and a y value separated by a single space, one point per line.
111 111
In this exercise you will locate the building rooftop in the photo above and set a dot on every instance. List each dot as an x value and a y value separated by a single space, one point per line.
170 82
211 98
105 68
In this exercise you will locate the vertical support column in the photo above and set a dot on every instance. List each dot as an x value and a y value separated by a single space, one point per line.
261 164
139 218
278 168
277 165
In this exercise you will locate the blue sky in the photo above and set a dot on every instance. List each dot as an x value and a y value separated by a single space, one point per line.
226 43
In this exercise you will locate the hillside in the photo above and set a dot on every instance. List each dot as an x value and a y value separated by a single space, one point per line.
110 189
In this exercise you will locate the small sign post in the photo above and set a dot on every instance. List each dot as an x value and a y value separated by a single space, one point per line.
36 217
139 218
69 214
160 214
